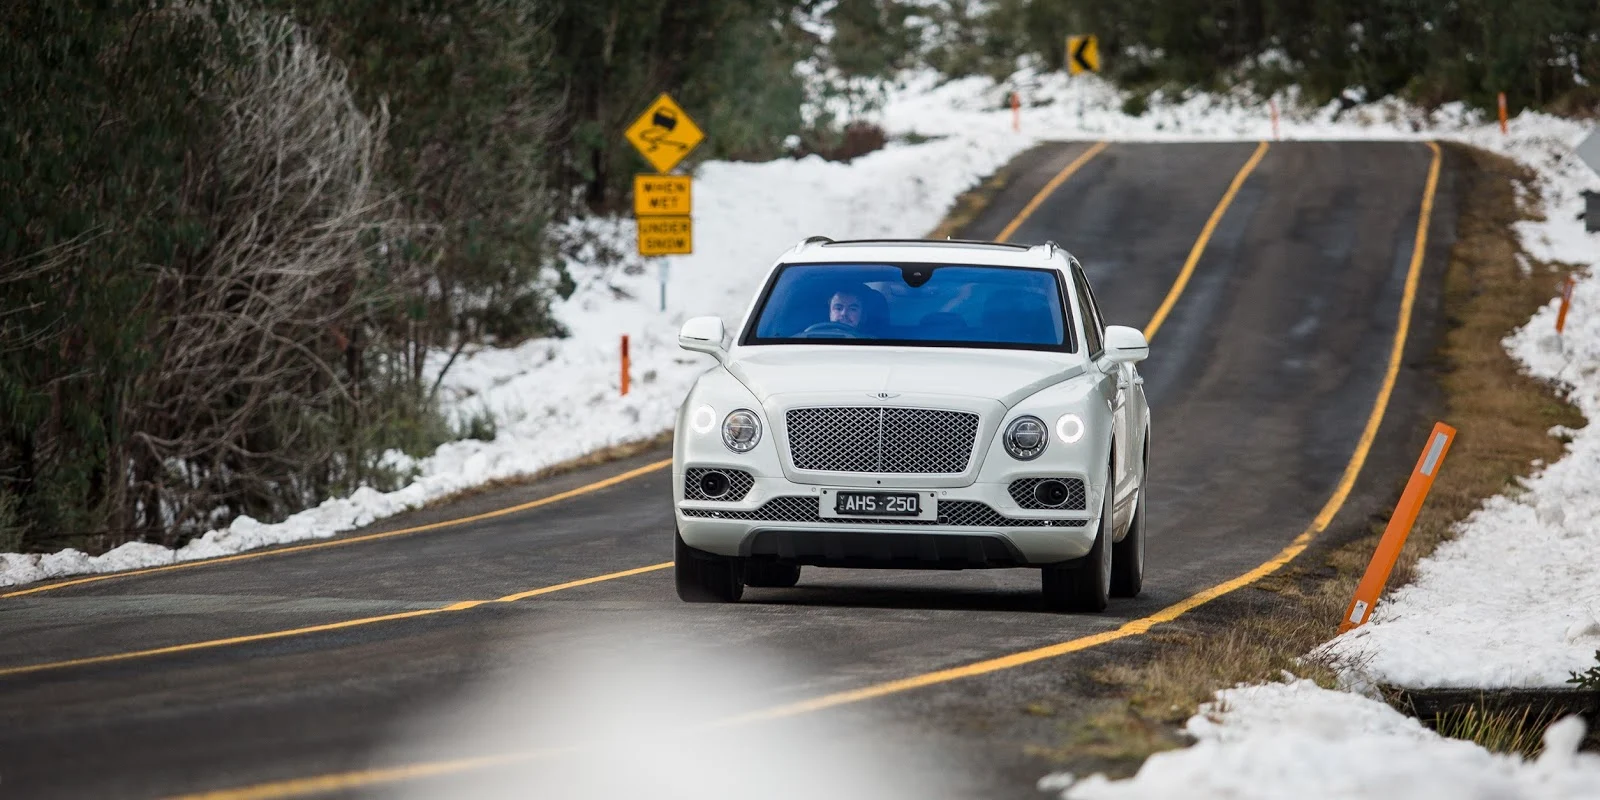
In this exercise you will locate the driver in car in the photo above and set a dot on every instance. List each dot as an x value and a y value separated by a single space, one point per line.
845 308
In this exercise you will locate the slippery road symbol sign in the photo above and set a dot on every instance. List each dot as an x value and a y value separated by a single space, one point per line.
1083 54
664 134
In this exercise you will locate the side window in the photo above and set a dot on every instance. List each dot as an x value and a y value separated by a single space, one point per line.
1093 328
1093 303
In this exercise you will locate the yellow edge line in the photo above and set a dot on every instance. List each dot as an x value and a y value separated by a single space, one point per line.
370 537
1200 243
331 626
309 786
1049 188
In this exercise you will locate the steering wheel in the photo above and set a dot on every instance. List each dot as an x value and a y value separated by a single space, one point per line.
831 330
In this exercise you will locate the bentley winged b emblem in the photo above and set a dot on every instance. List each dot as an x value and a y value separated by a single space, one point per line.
883 395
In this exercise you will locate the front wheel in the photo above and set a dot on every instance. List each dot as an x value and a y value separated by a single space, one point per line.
1085 586
1127 557
703 577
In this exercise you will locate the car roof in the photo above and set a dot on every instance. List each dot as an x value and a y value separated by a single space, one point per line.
820 249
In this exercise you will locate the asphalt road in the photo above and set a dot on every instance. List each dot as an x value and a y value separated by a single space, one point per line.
1261 380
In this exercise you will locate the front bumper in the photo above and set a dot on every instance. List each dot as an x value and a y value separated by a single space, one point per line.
979 525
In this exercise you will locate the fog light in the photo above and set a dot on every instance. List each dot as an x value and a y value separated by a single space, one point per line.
713 485
1050 493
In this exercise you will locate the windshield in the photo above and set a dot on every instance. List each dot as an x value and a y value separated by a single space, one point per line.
913 304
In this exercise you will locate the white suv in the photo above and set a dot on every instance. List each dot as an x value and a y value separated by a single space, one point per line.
915 404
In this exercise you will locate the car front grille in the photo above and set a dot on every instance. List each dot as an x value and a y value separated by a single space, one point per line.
966 513
1022 492
921 441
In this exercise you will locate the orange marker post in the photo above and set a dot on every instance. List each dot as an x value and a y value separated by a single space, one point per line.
1016 112
1502 113
624 365
1394 536
1274 104
1566 302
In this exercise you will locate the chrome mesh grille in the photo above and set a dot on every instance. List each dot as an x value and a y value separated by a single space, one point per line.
739 483
968 513
921 441
1022 492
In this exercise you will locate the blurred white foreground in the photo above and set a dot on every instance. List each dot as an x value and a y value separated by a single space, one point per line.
626 711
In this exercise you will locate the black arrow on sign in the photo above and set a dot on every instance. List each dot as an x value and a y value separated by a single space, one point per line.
1077 55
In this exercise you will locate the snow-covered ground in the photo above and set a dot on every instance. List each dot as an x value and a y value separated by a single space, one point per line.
1297 740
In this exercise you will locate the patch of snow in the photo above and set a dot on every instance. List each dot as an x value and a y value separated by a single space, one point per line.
1299 740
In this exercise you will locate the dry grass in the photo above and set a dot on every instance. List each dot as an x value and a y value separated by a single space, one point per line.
1503 417
1113 738
1512 731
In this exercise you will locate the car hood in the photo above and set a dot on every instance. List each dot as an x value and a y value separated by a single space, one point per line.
1008 376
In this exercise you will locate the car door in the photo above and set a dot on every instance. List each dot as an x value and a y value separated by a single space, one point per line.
1120 378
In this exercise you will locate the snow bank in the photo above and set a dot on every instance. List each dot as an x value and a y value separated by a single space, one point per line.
1298 740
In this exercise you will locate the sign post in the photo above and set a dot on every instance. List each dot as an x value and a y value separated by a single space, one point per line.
662 203
1589 153
1399 527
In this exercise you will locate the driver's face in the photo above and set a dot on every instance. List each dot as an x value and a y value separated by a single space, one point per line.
845 308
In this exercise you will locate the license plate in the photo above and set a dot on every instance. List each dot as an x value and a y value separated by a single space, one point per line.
877 504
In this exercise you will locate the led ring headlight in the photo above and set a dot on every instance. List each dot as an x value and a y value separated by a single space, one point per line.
703 420
1025 438
1069 428
741 430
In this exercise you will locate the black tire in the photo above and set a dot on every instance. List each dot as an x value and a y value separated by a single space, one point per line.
703 577
1086 585
771 576
1127 556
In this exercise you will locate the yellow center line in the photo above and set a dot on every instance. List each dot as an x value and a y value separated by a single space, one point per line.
1049 189
1200 243
370 537
311 629
303 787
512 598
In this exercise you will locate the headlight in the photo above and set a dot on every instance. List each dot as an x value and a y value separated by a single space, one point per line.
1069 428
741 430
1025 438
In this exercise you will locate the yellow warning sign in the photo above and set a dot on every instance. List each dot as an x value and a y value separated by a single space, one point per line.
664 134
657 195
666 236
1083 54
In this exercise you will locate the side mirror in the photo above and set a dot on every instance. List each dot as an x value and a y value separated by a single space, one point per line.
703 335
1125 345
